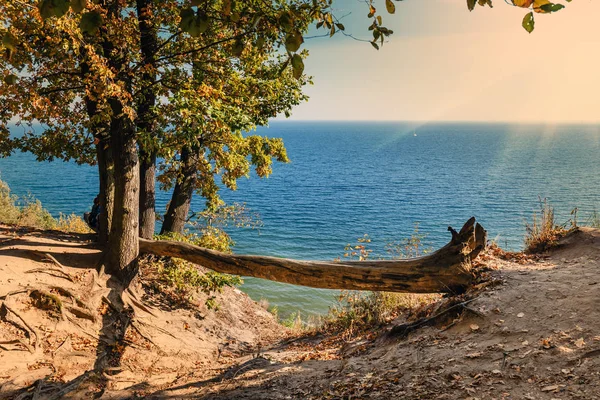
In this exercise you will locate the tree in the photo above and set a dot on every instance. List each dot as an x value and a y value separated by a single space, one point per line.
89 66
94 73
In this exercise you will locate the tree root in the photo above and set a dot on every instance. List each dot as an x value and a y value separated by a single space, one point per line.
404 329
57 273
15 341
48 258
23 325
73 385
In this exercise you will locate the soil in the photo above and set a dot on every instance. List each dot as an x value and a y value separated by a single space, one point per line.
531 332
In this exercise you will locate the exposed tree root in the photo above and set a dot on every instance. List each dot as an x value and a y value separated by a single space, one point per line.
48 258
51 271
23 325
13 342
404 329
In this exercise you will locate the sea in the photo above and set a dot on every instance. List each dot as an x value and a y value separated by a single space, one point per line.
381 179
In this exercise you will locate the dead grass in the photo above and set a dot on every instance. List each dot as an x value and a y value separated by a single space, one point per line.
543 232
72 223
29 212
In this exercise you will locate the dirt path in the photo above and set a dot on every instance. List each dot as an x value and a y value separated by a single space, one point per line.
535 336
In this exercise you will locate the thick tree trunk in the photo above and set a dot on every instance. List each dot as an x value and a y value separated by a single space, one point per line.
123 245
179 206
447 270
146 117
147 194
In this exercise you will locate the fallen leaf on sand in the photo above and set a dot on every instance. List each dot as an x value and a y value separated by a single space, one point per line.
474 327
580 343
550 388
520 315
474 355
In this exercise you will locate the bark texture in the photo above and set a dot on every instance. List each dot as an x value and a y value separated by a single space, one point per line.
179 206
146 117
147 194
107 189
447 270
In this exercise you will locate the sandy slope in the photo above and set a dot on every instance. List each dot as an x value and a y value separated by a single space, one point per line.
535 336
161 344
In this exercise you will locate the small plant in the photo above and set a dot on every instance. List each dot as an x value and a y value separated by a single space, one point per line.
357 311
180 279
543 232
594 220
72 223
25 212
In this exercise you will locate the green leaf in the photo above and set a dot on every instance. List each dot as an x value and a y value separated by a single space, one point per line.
237 48
91 22
374 45
471 4
391 8
78 5
199 24
9 42
340 26
11 79
529 22
53 8
297 66
188 18
551 7
293 41
285 21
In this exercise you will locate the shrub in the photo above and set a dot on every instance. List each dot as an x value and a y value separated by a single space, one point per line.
9 212
30 213
357 311
543 232
72 223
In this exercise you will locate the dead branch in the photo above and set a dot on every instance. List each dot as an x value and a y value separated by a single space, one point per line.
447 270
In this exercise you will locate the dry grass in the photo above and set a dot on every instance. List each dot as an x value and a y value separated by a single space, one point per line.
357 312
72 223
543 232
29 212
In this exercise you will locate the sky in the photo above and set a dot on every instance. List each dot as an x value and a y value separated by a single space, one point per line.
444 63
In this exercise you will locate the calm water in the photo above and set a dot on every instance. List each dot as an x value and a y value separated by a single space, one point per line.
350 179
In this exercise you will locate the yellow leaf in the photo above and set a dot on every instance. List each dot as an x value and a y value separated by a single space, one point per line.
522 3
539 3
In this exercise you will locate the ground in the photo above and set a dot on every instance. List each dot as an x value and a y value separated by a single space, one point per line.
532 332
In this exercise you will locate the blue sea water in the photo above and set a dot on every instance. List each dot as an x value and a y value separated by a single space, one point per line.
354 178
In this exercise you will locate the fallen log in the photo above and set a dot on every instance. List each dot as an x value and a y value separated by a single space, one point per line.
447 270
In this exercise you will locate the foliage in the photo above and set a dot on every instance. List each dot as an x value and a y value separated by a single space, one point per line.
25 212
9 211
72 223
537 6
29 212
357 311
181 278
543 232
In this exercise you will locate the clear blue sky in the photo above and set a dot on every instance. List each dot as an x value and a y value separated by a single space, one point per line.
445 63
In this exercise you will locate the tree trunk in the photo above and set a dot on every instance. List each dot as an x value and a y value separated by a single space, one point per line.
123 245
146 118
147 194
179 206
107 189
447 270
